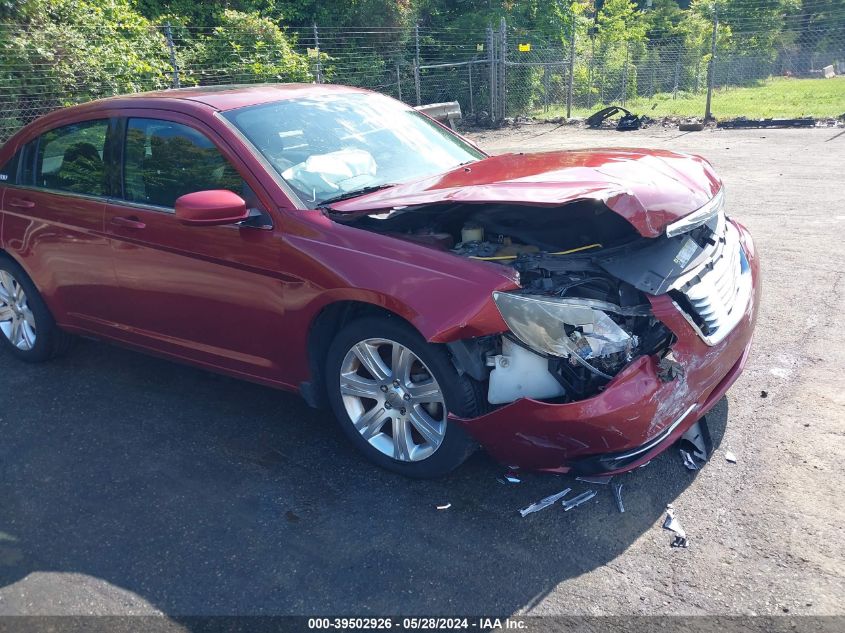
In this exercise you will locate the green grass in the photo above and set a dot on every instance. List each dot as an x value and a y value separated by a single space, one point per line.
780 97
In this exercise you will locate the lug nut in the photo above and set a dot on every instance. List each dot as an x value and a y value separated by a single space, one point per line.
384 388
396 382
387 405
407 396
402 411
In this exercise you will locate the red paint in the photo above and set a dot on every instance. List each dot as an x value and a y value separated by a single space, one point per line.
210 208
241 300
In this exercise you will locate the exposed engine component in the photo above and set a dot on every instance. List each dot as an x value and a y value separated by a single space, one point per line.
520 373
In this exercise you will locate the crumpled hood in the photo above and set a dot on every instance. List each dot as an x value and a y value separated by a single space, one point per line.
649 188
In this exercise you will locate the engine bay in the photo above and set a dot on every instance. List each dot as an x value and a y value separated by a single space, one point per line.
581 259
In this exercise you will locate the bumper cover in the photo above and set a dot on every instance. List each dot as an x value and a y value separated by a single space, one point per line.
636 416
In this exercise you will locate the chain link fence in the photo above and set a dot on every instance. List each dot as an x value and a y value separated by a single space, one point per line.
499 72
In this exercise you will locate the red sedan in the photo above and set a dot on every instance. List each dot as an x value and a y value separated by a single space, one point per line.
568 311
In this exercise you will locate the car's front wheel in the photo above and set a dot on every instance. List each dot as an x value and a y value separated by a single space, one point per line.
392 393
27 328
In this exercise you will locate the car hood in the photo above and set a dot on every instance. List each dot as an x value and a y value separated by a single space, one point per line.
649 188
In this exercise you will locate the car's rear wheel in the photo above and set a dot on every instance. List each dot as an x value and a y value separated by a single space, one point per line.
392 393
27 328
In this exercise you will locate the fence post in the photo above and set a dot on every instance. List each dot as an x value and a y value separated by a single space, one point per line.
172 48
503 58
711 70
491 57
398 80
417 62
471 105
571 81
677 75
625 74
317 47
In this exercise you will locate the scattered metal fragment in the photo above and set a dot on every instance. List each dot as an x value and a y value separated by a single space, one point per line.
617 494
577 501
510 477
445 506
689 462
544 503
602 480
764 394
729 456
674 525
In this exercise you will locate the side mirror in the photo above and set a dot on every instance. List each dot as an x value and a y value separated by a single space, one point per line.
211 208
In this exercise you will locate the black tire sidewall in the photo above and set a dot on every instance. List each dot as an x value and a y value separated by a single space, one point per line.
460 396
45 326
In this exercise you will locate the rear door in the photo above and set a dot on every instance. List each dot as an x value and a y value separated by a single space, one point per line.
211 295
53 208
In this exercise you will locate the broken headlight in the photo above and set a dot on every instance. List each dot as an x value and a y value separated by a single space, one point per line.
570 327
713 210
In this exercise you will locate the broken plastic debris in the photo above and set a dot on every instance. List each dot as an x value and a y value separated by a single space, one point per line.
577 501
730 457
445 506
764 394
544 503
617 494
602 480
698 436
673 525
689 462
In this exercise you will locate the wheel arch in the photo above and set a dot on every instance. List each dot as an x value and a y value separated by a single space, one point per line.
330 319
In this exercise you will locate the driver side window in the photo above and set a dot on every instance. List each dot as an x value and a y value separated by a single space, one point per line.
164 160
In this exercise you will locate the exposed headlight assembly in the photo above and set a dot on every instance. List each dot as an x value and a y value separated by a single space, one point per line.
715 207
568 327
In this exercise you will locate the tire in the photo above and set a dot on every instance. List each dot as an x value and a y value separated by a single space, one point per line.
26 318
432 446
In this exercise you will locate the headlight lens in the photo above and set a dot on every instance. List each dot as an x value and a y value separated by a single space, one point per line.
567 326
715 208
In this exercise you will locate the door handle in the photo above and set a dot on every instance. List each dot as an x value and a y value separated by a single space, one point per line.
130 222
21 203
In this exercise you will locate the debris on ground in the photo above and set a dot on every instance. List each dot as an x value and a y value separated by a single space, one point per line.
742 122
691 126
674 525
689 462
617 494
544 503
510 477
601 480
445 506
577 501
764 394
730 457
628 120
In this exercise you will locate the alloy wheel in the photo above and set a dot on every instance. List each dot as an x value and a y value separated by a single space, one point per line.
16 319
393 400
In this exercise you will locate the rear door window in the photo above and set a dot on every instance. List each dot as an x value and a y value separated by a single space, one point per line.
164 160
71 158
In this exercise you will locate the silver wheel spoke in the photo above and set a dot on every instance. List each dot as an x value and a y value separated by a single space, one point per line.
15 334
28 317
402 441
17 322
355 385
6 313
425 425
368 355
428 391
401 361
371 422
6 285
27 335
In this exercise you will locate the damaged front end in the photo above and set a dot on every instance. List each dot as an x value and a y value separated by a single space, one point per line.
617 340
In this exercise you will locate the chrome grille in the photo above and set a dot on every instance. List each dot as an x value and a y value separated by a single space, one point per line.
718 291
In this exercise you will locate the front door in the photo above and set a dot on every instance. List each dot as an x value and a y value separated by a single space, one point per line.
207 294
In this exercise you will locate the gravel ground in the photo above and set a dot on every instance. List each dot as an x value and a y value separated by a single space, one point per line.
132 485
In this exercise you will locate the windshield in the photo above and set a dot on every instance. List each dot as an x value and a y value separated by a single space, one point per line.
326 147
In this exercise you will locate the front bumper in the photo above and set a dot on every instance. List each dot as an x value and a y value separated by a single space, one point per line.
637 415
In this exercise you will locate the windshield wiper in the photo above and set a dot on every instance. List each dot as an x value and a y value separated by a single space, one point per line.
354 193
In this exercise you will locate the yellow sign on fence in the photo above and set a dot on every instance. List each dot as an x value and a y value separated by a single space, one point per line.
525 48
